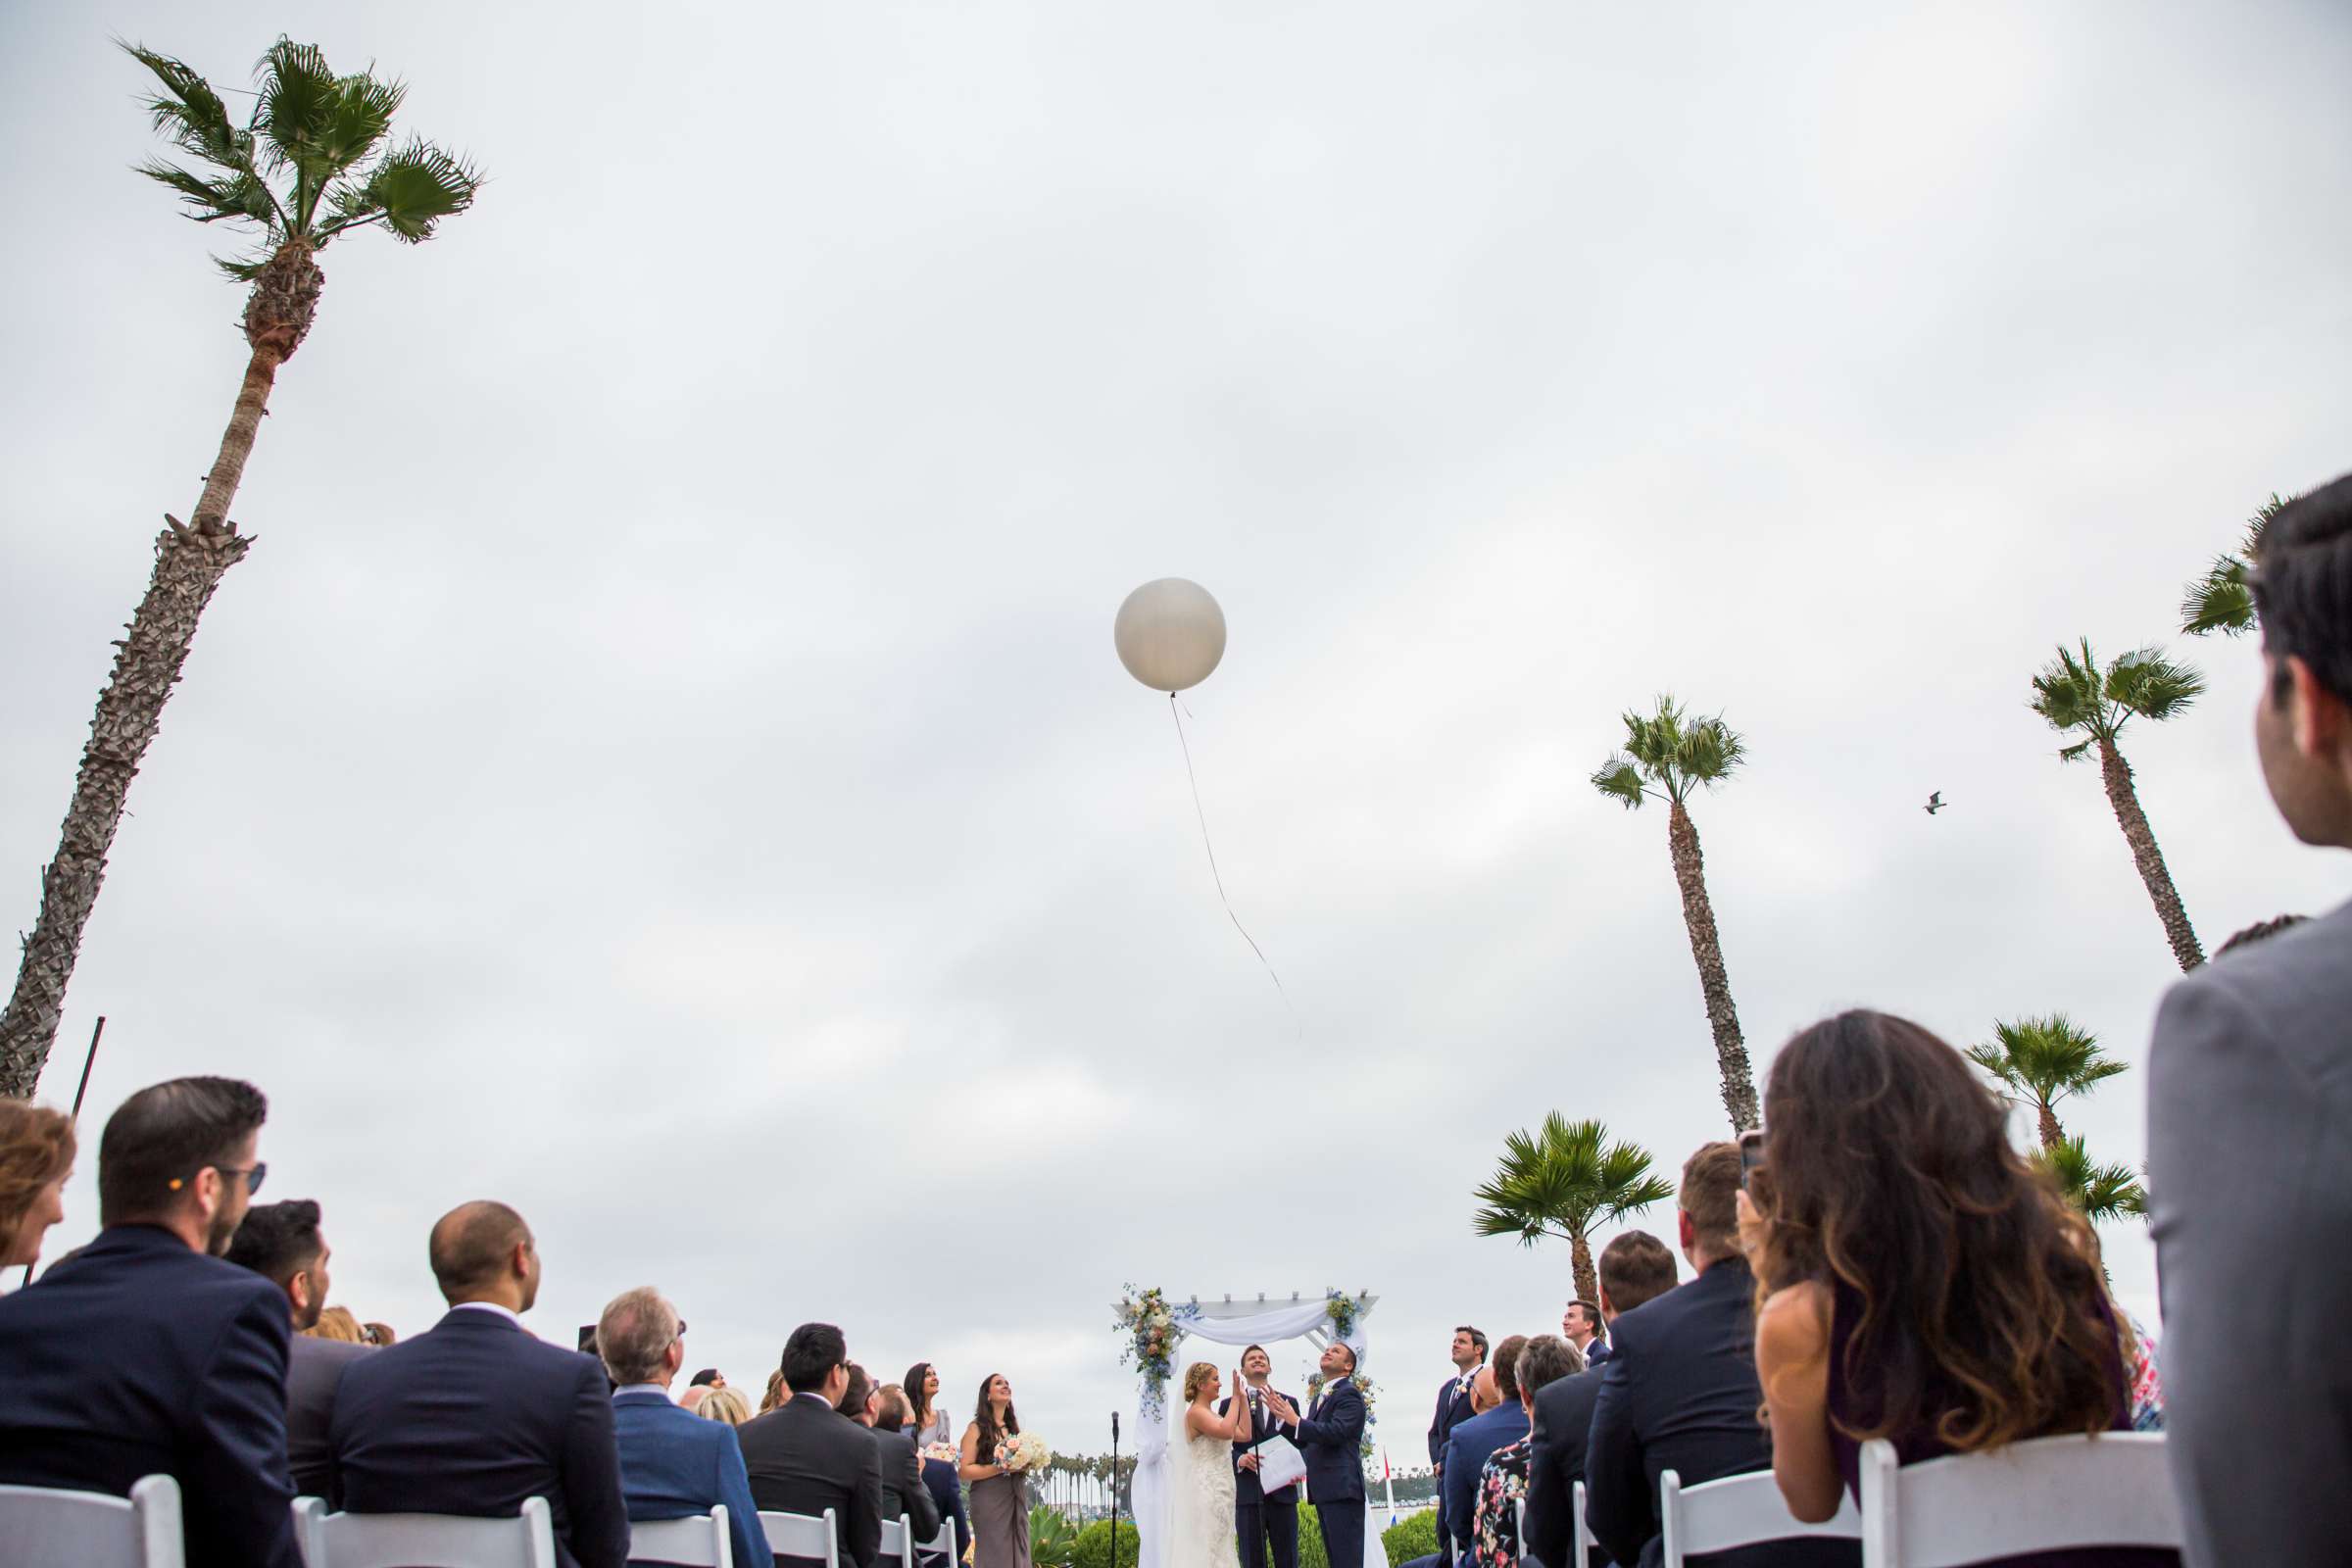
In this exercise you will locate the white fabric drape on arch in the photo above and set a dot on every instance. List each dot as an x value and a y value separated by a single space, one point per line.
1286 1321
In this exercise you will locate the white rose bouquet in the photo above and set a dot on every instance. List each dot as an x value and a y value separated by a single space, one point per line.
1024 1452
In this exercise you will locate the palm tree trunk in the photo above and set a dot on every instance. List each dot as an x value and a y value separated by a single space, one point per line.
2052 1135
1580 1264
189 563
2117 774
1706 949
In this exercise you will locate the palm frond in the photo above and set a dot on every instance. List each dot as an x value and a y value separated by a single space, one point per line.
1620 781
2145 684
409 192
1710 751
2223 600
2099 1191
191 113
318 124
2068 694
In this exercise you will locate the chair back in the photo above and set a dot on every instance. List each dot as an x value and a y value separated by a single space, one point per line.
1744 1510
431 1540
700 1542
941 1545
1583 1538
2043 1494
48 1528
898 1540
798 1535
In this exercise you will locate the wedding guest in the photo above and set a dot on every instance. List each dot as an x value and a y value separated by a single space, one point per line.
338 1324
857 1397
905 1494
477 1414
776 1393
1456 1404
723 1405
804 1458
37 1159
379 1334
929 1423
1920 1283
707 1378
1502 1478
1679 1390
1473 1440
148 1318
1000 1497
1580 1326
283 1244
1635 1268
1264 1521
674 1466
2249 1098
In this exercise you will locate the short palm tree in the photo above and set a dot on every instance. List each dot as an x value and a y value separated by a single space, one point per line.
2099 1191
2039 1062
2077 697
2223 600
312 162
1566 1179
1668 756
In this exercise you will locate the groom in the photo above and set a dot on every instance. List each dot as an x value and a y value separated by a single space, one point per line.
1330 1440
1261 1519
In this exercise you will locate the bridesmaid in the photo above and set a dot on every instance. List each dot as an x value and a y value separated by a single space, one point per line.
1000 1497
925 1420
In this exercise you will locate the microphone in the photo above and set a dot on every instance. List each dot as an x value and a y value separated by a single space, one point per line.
1115 1425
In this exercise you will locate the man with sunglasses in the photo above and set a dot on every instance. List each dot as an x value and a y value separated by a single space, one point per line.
145 1352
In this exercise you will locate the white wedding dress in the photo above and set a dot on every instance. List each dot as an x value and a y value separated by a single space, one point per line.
1201 1531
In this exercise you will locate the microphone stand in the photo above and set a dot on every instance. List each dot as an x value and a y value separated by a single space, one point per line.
1114 1489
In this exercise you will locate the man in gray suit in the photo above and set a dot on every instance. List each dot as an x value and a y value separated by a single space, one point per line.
281 1241
2250 1125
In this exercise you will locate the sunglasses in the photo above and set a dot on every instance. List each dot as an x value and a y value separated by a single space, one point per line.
255 1174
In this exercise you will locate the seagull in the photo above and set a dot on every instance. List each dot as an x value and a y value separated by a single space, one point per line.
1935 803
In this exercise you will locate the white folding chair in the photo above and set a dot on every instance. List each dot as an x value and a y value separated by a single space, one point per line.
47 1527
943 1543
431 1540
1583 1538
898 1540
1736 1511
699 1541
798 1535
2043 1494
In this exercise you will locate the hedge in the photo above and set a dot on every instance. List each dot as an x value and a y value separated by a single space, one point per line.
1417 1537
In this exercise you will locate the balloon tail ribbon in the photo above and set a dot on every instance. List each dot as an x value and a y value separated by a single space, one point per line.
1215 875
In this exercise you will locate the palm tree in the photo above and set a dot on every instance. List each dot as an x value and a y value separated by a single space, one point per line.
311 162
2043 1060
2076 698
1562 1181
2223 600
1668 756
2098 1192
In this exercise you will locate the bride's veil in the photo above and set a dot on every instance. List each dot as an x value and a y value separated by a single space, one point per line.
1180 1496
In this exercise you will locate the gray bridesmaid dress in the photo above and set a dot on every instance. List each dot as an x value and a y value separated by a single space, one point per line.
1000 1521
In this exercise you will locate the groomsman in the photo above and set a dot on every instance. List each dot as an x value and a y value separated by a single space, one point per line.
1260 1519
1453 1409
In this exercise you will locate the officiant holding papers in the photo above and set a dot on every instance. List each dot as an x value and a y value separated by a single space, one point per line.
1262 1517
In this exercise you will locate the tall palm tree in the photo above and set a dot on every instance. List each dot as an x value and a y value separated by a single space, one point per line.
1566 1179
2041 1061
2223 600
2099 1191
2078 699
311 162
1668 756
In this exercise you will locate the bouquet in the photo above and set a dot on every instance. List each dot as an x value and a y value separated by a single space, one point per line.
1023 1451
943 1450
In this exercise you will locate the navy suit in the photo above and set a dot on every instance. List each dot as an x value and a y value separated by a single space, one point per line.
1680 1395
141 1357
1466 1454
1260 1521
674 1465
1555 1463
939 1478
1453 1409
1330 1440
1596 1352
474 1416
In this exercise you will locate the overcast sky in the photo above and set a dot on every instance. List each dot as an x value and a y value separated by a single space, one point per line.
664 763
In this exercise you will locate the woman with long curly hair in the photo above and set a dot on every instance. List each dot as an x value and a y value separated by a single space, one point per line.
37 1159
1000 1496
1917 1279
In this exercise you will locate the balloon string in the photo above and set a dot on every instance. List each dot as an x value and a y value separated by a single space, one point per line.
1216 875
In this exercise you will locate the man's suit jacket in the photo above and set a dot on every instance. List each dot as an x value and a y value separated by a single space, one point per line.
804 1458
1596 1352
1247 1493
1680 1395
475 1415
1453 1409
674 1465
2250 1173
1556 1462
140 1357
947 1495
904 1490
1466 1453
1330 1440
313 1372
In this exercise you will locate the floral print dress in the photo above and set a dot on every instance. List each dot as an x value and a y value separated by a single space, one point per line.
1494 1534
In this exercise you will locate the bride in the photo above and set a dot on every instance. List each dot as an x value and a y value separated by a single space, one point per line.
1200 1473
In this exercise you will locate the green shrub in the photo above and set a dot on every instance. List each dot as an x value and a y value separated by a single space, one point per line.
1090 1548
1051 1537
1417 1537
1311 1551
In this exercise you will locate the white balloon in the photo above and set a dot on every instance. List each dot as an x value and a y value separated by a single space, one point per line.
1170 634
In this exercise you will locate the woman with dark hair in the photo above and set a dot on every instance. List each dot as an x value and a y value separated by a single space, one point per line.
924 1418
36 1159
1000 1497
1917 1279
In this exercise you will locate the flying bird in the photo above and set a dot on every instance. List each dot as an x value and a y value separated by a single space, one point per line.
1935 803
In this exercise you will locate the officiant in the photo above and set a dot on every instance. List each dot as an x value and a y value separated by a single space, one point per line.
1261 1518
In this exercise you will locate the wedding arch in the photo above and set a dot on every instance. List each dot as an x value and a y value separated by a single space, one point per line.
1153 1325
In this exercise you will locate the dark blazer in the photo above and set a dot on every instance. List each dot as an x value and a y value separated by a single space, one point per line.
904 1490
674 1465
1330 1440
1680 1395
1453 1409
314 1371
1556 1462
1596 1352
140 1357
1247 1492
474 1417
805 1458
1466 1453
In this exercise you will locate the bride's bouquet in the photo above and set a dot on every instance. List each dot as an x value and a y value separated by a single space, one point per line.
1024 1452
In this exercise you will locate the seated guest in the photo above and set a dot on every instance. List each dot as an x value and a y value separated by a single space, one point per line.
338 1324
1636 1268
1468 1445
281 1243
722 1404
1679 1390
804 1458
144 1354
36 1159
856 1399
903 1488
674 1464
1502 1480
1921 1284
476 1414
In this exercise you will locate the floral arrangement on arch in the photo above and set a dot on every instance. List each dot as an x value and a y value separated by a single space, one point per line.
1342 1310
1150 1324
